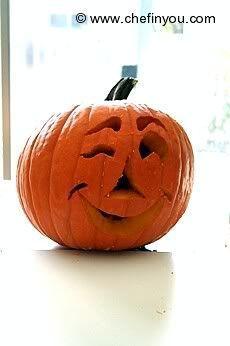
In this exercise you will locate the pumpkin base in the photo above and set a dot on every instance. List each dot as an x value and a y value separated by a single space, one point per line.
141 248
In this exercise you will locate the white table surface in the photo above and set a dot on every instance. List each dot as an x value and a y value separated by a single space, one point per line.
56 297
68 298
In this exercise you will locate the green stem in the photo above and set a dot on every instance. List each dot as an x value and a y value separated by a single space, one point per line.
122 89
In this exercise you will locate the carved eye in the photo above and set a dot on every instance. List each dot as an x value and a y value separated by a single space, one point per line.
99 149
113 123
153 143
144 121
144 150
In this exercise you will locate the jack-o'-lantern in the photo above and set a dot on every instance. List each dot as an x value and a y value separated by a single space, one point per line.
108 176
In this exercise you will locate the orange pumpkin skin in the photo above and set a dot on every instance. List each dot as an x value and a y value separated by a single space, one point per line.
111 176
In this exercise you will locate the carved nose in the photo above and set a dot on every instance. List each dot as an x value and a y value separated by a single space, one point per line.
123 183
124 186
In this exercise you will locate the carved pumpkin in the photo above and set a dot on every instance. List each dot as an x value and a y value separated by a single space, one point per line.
111 176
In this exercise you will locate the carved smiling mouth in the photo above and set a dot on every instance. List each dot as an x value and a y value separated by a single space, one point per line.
110 223
123 190
111 217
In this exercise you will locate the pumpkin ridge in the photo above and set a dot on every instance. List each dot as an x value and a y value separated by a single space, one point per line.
50 170
52 123
136 242
74 172
187 148
103 167
37 223
175 202
40 228
19 189
18 177
183 163
131 126
170 126
170 222
166 224
95 233
29 191
56 234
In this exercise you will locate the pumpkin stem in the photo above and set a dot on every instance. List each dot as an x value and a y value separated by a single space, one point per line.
122 89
